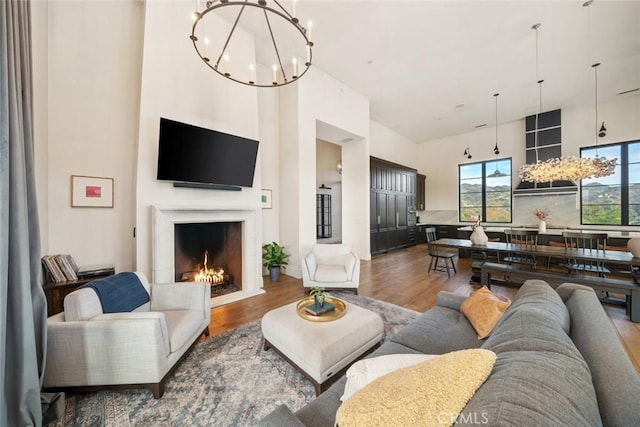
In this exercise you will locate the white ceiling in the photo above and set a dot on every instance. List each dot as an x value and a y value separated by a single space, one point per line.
430 68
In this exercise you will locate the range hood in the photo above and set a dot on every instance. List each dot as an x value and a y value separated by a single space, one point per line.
545 188
544 142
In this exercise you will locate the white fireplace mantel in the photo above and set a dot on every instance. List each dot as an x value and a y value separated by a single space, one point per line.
163 220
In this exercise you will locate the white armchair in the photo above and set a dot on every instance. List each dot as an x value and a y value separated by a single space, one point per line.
332 266
89 349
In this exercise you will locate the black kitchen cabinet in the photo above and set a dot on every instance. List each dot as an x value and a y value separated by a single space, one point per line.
392 206
421 188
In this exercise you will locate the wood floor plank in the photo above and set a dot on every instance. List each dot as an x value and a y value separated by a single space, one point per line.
399 277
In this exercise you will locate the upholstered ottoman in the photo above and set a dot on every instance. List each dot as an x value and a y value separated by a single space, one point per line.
321 350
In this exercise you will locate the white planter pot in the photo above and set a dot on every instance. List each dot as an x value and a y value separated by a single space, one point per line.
634 246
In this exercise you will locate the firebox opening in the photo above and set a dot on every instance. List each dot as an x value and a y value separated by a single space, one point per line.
210 252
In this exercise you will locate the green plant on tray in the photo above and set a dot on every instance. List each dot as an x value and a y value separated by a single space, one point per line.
319 294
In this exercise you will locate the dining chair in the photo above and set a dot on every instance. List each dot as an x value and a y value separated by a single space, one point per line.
436 253
594 242
526 238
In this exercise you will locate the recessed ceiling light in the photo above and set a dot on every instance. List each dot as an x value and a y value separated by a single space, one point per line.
628 91
347 140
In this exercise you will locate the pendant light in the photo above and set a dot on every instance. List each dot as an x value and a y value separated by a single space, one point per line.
496 150
566 168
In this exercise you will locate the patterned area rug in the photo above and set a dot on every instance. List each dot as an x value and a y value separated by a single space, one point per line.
227 380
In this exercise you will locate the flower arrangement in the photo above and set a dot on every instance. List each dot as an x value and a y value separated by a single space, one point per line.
476 222
542 214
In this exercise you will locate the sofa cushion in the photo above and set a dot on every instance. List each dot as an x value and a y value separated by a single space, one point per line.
592 333
534 388
484 309
330 273
437 331
538 296
540 377
367 370
537 320
429 393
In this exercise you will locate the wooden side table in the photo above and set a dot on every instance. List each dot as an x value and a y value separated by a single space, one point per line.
56 291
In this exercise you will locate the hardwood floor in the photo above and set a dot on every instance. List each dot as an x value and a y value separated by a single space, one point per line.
400 278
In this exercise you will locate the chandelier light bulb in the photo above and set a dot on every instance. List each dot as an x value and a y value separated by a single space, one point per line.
252 74
226 66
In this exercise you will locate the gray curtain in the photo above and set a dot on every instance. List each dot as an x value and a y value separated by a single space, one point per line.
23 309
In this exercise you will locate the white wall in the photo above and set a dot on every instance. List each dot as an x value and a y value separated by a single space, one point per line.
268 113
393 147
321 98
439 159
86 88
177 85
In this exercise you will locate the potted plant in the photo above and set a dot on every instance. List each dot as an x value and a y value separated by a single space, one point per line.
319 294
274 257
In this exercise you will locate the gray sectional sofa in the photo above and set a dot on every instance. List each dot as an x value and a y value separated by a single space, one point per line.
559 362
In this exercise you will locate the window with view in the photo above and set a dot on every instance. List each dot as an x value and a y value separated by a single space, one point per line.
615 199
484 190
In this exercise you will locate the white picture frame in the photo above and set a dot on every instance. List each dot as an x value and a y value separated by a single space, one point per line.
266 199
91 192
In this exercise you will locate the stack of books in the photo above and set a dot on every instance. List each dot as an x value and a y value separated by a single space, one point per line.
60 268
316 310
63 268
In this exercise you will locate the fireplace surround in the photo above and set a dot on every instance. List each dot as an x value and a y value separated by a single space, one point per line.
164 219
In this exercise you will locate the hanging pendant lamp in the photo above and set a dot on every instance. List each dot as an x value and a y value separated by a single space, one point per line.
566 168
496 150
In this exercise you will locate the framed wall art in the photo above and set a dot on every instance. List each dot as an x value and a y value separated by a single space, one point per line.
91 192
265 199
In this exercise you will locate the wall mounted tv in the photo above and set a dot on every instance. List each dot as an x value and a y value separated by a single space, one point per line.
192 156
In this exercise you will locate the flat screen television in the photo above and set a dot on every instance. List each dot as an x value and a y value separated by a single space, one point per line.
190 154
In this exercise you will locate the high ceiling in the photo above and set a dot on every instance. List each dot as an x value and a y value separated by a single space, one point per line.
430 68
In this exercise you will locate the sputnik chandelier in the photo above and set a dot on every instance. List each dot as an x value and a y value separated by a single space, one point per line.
285 41
566 168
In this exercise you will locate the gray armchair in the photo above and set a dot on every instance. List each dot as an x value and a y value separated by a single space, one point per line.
89 349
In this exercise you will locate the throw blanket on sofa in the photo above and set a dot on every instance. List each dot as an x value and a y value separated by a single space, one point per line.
119 293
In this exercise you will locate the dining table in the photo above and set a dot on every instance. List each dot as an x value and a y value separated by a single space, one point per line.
604 255
481 269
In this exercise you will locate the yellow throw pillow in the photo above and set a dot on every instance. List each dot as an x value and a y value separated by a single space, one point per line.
430 393
483 309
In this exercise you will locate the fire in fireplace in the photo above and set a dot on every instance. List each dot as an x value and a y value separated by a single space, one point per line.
215 275
210 252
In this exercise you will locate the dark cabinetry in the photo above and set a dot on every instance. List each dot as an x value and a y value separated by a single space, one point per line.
393 206
421 188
